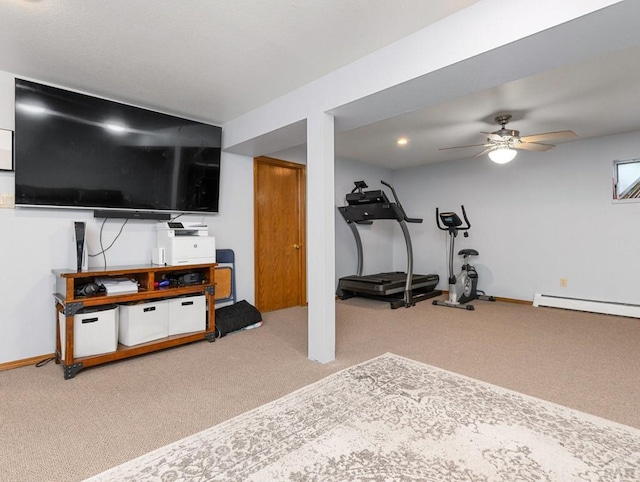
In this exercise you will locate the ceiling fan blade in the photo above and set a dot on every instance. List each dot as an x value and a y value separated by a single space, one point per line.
549 136
533 146
461 147
488 149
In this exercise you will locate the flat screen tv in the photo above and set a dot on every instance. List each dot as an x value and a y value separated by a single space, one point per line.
78 151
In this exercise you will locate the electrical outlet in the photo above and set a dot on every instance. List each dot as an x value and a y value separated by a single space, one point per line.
563 282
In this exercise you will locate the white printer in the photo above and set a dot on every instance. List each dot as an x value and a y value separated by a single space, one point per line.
183 243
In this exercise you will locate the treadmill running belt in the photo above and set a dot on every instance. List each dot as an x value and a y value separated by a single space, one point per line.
386 283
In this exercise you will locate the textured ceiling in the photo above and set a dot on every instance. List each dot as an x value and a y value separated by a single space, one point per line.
212 60
594 98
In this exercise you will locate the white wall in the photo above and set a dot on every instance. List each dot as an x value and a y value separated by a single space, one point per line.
543 217
34 241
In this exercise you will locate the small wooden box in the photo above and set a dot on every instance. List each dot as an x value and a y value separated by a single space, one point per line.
223 282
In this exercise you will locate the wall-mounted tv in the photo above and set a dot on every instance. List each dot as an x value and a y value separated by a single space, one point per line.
78 151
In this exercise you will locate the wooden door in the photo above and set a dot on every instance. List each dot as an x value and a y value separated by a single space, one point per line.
279 234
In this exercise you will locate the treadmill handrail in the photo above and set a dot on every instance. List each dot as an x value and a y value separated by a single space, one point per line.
402 211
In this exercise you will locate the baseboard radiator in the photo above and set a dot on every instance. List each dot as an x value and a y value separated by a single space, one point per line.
593 306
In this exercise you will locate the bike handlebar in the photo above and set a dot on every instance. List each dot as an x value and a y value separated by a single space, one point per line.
466 220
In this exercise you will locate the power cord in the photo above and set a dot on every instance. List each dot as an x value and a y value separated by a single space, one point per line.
44 362
103 250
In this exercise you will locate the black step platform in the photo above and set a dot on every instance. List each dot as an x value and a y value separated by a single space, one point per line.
389 287
384 284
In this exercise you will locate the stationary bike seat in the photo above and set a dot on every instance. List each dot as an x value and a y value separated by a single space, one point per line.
468 252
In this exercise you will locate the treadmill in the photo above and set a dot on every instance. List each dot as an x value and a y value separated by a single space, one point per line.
398 288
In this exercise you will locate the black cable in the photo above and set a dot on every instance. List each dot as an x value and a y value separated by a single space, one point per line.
43 362
104 255
103 250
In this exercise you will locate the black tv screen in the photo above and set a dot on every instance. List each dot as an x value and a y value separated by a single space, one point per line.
78 151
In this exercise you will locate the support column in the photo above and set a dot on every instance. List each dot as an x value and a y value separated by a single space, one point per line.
321 244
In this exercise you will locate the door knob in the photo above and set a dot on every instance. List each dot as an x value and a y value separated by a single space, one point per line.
297 246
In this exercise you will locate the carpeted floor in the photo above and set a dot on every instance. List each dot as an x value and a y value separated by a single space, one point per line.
56 429
392 418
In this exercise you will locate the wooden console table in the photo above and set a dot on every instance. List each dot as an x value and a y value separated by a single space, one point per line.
68 302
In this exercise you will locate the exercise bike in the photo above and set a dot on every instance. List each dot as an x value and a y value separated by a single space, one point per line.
464 287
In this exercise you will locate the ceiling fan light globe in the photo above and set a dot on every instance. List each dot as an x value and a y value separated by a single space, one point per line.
502 155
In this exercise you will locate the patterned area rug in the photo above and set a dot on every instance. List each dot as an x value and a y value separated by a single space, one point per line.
390 419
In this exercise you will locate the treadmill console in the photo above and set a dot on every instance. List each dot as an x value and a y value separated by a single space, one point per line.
367 197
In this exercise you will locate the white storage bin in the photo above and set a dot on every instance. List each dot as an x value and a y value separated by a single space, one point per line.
95 331
187 314
143 322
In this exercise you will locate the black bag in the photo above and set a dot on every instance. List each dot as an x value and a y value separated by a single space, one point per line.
236 317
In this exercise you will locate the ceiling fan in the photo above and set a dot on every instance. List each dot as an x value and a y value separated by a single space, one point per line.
501 144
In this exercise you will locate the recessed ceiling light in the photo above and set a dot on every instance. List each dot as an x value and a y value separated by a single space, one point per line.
403 141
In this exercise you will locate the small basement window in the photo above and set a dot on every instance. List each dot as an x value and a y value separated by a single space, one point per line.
626 180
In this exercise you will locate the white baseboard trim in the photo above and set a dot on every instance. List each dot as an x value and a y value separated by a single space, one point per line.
593 306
